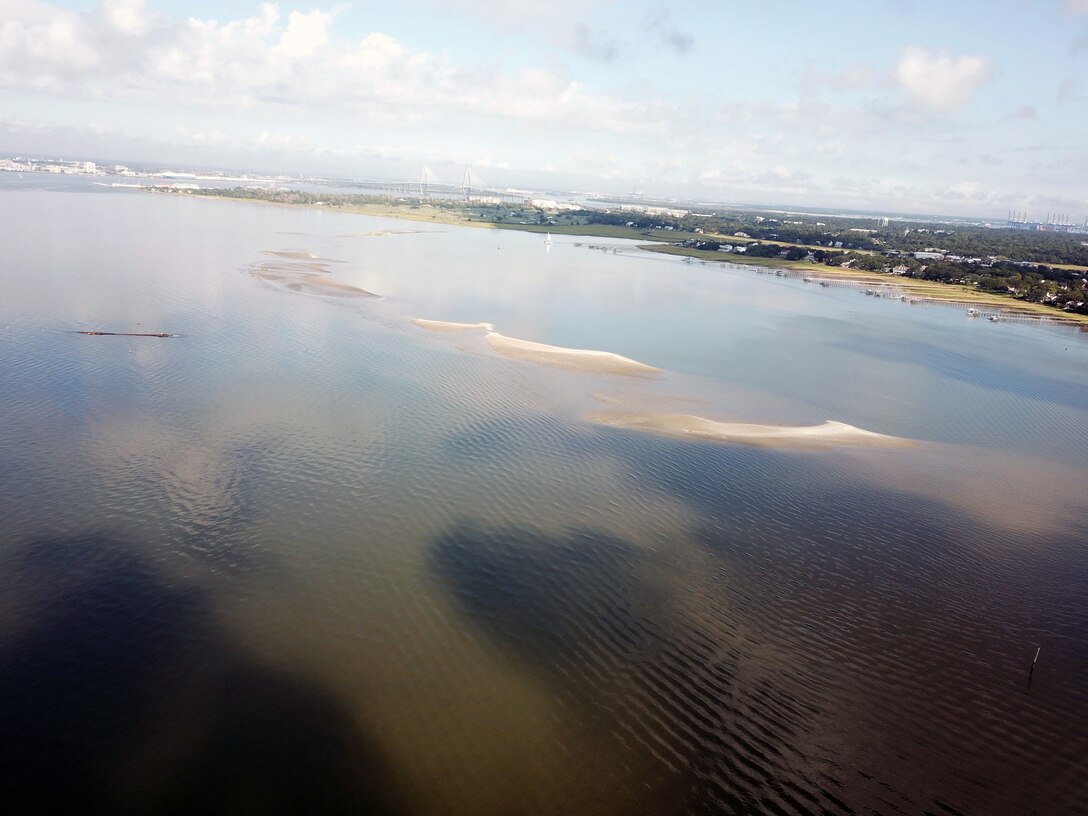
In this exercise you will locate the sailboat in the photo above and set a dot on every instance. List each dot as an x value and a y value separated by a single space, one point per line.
548 238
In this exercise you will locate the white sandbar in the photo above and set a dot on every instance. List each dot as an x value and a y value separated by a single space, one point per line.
828 435
597 362
295 254
445 326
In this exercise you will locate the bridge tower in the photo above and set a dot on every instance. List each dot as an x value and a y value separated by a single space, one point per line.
471 182
426 177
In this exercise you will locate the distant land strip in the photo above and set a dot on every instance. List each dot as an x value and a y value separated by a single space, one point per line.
1039 288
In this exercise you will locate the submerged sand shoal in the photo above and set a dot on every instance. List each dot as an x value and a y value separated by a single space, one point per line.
295 266
447 326
829 434
384 233
310 283
596 362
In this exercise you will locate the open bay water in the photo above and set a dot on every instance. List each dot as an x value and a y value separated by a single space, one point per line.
308 557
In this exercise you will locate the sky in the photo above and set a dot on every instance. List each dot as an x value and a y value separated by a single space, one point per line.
972 107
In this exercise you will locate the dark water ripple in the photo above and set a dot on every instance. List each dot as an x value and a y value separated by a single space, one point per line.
851 619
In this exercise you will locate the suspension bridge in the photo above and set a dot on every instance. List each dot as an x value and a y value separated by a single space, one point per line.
430 186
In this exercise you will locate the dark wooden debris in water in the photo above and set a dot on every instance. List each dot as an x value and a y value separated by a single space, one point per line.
128 334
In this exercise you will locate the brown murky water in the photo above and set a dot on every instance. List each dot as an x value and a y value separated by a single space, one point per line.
309 557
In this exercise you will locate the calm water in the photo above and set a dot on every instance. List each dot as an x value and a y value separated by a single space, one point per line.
306 557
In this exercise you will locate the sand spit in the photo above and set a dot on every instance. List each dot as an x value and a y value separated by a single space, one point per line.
596 362
828 435
445 326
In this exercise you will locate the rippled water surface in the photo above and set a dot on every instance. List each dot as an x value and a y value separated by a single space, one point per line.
308 557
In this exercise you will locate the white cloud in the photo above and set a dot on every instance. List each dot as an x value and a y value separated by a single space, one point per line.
967 189
202 138
127 17
578 26
281 142
288 85
279 63
520 13
41 46
204 52
940 82
305 34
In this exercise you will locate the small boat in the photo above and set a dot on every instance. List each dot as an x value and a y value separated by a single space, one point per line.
548 239
972 312
993 318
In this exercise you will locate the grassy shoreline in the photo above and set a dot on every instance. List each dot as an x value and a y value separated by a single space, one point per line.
921 289
426 213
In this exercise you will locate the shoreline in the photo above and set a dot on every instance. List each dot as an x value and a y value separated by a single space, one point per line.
931 291
921 290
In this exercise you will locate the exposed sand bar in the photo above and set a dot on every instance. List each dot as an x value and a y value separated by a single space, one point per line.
828 435
445 326
596 362
293 254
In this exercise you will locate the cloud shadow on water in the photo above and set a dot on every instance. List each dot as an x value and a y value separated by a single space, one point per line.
584 612
121 693
524 586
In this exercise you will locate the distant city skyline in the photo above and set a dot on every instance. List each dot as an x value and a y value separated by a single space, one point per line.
974 109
